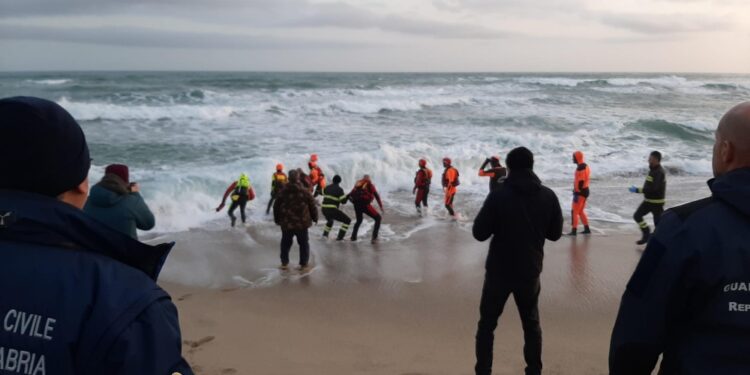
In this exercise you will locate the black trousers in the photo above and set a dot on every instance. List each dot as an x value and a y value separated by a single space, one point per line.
287 237
369 210
270 203
494 295
645 208
241 203
332 215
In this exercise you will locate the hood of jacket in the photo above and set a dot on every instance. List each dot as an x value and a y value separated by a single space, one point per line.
523 181
38 219
108 192
733 188
578 157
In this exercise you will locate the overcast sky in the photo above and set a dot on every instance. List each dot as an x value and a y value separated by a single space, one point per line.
377 35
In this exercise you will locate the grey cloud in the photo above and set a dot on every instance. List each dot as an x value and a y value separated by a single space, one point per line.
345 16
258 13
144 37
664 24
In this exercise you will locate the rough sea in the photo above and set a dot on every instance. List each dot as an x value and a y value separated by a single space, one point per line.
187 135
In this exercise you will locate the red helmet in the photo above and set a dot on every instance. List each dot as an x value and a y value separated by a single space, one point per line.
314 157
422 163
447 160
279 167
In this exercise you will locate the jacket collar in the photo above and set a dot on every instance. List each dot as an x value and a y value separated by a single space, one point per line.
733 188
38 219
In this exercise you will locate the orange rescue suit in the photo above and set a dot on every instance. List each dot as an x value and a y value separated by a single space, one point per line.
580 190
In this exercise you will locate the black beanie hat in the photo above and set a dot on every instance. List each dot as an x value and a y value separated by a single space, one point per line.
42 148
520 158
336 179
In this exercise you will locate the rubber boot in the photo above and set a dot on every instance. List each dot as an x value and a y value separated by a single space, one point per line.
342 234
573 232
234 219
646 235
586 230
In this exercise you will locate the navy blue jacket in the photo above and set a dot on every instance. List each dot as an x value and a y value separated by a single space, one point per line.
80 298
689 297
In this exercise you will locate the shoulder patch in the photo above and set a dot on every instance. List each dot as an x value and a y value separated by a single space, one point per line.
684 211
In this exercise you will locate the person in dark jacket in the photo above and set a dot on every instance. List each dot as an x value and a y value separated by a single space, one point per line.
116 202
496 172
689 297
89 290
519 217
333 197
295 211
654 193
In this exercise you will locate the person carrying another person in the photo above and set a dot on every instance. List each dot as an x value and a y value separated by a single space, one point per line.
361 196
116 202
295 211
317 178
519 216
241 192
496 172
580 194
90 291
422 182
450 184
333 196
278 180
654 193
689 297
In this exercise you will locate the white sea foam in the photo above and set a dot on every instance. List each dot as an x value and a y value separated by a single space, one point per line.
50 82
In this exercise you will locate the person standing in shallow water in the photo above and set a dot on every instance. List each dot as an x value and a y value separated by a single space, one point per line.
295 211
519 216
580 194
241 192
654 193
422 182
450 185
361 196
278 180
333 197
688 298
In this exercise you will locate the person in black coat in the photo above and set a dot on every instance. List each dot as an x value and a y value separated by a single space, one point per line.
519 217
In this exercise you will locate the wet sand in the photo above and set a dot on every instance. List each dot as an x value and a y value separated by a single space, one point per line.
403 306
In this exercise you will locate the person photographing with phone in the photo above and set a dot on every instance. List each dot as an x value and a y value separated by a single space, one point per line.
117 202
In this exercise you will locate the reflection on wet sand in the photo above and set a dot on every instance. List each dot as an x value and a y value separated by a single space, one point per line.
405 305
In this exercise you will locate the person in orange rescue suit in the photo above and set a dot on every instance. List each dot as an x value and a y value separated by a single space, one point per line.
278 180
496 172
317 177
422 185
450 182
241 192
580 194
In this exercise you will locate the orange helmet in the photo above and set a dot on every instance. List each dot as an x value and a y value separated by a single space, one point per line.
279 167
447 161
422 163
314 157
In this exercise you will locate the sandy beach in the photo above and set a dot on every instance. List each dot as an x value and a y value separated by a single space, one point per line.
403 306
